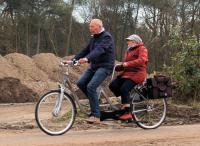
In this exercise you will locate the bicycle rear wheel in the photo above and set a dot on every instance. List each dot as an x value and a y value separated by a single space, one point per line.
50 123
149 113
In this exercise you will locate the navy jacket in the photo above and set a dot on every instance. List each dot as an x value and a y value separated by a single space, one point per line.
100 51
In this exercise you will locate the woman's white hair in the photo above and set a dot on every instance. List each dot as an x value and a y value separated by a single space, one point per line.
135 38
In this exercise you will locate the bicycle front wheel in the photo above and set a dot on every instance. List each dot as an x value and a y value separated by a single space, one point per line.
47 120
149 113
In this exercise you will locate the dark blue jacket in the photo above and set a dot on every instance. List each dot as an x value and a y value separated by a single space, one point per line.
100 51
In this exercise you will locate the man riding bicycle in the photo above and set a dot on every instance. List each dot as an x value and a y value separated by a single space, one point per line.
101 56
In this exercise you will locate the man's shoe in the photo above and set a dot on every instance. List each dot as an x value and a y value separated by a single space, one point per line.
93 119
126 116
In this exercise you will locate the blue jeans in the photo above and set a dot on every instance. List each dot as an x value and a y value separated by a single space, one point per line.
122 87
89 82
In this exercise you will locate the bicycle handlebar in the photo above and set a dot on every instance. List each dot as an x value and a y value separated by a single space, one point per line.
69 62
76 63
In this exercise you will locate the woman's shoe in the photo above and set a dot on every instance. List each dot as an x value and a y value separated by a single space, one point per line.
126 116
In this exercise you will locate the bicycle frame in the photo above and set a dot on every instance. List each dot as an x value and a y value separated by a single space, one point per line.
67 84
143 111
136 91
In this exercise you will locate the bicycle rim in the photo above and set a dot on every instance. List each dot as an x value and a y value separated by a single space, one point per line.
55 124
149 114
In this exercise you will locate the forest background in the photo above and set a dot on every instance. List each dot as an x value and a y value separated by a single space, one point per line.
170 30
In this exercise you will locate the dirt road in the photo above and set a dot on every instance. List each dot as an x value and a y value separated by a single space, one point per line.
18 128
165 136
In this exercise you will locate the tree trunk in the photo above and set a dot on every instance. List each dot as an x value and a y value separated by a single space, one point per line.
115 30
38 40
27 38
183 18
16 38
136 17
124 32
194 11
68 51
154 23
50 32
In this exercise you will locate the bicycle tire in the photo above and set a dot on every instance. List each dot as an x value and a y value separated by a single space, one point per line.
66 104
149 113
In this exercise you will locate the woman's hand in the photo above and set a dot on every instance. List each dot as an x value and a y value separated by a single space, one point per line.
119 67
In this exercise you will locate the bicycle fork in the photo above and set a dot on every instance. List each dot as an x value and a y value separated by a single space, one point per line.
57 106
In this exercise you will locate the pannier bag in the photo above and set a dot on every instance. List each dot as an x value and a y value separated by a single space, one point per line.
159 87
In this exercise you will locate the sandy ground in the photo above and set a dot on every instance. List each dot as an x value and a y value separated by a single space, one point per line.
165 136
17 116
18 128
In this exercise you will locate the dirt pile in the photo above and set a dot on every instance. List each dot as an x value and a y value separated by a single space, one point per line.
12 91
28 72
7 69
40 73
26 68
49 64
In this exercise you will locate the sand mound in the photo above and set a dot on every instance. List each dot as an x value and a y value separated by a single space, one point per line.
49 63
7 69
26 67
38 74
13 91
23 68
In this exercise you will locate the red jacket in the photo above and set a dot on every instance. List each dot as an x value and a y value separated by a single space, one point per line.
136 59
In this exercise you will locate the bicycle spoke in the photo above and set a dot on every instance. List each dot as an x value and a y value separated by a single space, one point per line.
152 115
50 122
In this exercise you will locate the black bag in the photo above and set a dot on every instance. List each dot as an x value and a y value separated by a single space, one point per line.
159 87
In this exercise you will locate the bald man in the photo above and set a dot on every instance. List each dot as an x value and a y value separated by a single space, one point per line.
100 54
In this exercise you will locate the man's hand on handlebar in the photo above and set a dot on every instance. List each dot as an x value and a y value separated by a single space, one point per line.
70 62
82 60
67 62
75 62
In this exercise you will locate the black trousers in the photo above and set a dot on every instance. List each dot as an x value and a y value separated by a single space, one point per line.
122 87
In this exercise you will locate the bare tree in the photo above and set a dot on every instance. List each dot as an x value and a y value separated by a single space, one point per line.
70 27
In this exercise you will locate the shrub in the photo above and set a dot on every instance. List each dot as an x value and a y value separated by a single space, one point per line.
185 69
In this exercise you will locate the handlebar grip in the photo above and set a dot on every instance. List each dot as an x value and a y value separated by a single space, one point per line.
69 62
74 62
